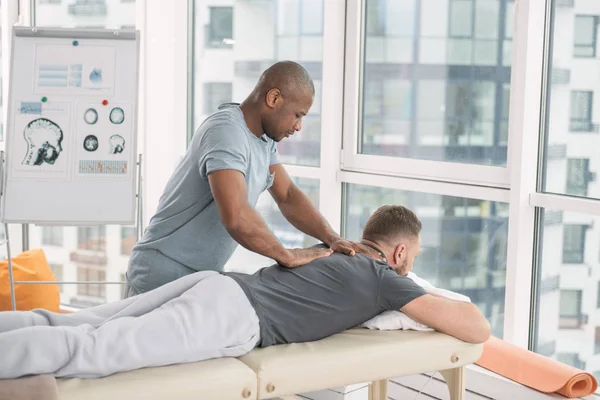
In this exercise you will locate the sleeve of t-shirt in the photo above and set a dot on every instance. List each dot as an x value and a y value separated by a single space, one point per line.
223 147
274 154
396 291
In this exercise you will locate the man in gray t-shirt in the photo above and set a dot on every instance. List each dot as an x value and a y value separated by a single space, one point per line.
207 207
323 297
210 314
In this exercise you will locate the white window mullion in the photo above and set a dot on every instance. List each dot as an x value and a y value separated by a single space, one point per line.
163 95
558 202
301 171
353 78
330 193
524 128
426 186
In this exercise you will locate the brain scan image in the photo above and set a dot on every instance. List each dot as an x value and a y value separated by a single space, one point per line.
117 144
44 139
96 75
90 143
90 116
117 116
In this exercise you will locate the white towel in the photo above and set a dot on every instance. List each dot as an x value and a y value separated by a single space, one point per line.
394 320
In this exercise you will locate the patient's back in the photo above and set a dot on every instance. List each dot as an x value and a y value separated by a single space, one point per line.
323 297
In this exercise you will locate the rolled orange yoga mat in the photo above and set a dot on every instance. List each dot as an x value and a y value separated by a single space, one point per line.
534 370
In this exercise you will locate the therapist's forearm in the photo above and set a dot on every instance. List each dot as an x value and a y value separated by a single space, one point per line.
304 216
249 229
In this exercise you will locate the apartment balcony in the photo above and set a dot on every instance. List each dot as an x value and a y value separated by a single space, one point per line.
583 126
556 152
88 8
88 259
565 3
550 284
573 321
547 349
560 76
91 252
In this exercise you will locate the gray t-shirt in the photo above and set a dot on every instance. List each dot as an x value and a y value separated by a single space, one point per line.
186 234
323 297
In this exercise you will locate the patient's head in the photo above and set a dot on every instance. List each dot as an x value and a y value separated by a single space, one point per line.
396 230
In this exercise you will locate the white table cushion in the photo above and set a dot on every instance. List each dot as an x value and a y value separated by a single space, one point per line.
225 378
353 356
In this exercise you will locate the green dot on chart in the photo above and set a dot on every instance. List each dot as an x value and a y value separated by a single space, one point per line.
44 99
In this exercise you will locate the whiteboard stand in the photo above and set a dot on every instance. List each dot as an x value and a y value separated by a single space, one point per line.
25 236
12 282
6 242
13 300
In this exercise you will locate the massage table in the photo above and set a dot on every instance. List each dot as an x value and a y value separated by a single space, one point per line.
353 356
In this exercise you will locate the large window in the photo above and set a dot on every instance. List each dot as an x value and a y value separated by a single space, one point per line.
435 80
463 241
568 247
586 34
265 32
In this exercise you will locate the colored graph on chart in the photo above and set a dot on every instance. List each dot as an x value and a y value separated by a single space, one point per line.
102 167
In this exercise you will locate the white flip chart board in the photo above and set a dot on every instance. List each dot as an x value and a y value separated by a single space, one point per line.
72 127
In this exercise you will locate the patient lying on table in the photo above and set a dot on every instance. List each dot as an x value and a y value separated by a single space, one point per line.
210 314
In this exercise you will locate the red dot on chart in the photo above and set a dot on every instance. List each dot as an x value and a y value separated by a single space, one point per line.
104 102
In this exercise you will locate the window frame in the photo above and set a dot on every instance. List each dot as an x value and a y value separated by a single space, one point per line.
352 160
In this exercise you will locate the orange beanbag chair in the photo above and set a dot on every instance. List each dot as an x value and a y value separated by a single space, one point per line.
29 266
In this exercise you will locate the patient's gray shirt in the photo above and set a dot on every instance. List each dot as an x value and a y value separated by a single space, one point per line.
186 234
324 297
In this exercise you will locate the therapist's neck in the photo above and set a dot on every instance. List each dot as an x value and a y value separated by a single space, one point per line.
251 111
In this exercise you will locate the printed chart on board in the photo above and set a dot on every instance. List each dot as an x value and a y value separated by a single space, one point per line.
71 135
74 70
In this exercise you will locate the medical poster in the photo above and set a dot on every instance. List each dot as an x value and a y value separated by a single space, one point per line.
40 143
74 70
104 139
71 130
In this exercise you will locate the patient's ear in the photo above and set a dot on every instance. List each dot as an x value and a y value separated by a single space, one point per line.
399 254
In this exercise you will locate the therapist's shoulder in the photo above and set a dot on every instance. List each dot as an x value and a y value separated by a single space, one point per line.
223 126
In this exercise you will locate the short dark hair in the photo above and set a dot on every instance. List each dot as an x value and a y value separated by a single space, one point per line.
390 222
289 77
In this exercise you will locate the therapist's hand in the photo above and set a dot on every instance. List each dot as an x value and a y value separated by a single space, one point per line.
298 257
